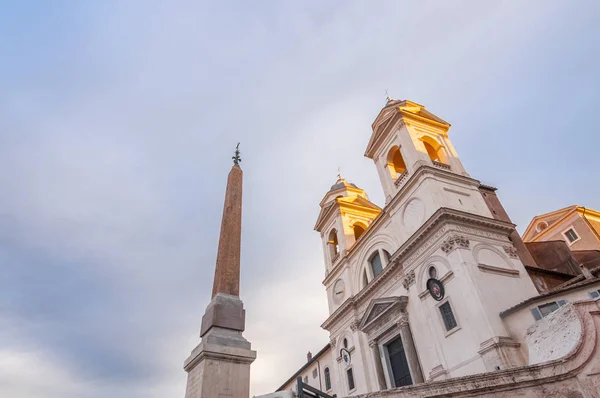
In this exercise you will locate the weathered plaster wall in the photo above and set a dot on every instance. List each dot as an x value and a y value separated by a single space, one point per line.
554 336
519 321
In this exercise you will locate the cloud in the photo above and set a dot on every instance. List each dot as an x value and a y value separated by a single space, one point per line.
116 127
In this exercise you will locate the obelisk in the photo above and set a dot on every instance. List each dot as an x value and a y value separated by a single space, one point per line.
219 367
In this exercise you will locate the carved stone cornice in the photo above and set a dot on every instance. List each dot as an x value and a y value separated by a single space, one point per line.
332 342
423 240
455 242
511 251
390 209
402 321
382 314
497 342
409 280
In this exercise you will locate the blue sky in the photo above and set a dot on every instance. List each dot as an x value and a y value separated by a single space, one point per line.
117 124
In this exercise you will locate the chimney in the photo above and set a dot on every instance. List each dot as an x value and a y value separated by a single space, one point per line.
309 356
586 272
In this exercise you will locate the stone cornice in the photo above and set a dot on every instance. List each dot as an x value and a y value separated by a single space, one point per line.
324 216
408 251
394 121
358 205
387 209
426 169
403 112
358 244
519 379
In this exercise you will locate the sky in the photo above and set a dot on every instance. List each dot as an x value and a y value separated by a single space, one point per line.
118 120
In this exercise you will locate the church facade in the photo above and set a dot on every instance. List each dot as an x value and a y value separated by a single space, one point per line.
432 286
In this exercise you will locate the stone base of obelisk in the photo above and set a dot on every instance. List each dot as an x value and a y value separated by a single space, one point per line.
219 367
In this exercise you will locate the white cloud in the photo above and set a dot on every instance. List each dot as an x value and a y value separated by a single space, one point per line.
113 162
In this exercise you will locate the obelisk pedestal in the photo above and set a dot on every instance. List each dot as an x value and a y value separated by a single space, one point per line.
219 367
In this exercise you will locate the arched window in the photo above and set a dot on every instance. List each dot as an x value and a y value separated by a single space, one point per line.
345 343
432 272
376 264
386 255
435 150
327 379
365 279
332 242
395 162
358 230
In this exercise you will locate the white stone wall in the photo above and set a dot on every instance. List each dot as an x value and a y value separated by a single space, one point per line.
480 280
324 361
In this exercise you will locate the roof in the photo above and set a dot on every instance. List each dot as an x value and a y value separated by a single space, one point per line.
341 183
396 110
306 366
575 283
548 272
556 217
357 204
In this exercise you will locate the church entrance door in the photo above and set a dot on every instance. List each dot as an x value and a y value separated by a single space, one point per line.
399 364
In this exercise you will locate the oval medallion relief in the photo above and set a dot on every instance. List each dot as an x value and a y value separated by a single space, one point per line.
414 213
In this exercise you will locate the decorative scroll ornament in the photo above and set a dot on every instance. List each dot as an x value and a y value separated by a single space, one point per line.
354 325
403 320
332 342
511 251
236 157
409 280
454 242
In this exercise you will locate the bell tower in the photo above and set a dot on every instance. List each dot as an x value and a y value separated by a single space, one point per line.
405 137
346 213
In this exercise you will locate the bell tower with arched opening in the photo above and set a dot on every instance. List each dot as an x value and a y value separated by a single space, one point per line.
346 213
405 137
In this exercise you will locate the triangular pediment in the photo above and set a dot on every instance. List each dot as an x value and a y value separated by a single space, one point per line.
324 214
358 201
349 203
393 112
378 308
544 222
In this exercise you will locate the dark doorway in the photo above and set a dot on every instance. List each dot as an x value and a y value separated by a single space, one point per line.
399 364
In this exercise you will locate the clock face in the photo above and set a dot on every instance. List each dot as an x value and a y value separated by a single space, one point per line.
339 291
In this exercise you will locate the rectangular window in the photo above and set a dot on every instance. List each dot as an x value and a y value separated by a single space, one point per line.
595 294
314 373
571 235
350 379
305 379
448 316
546 309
